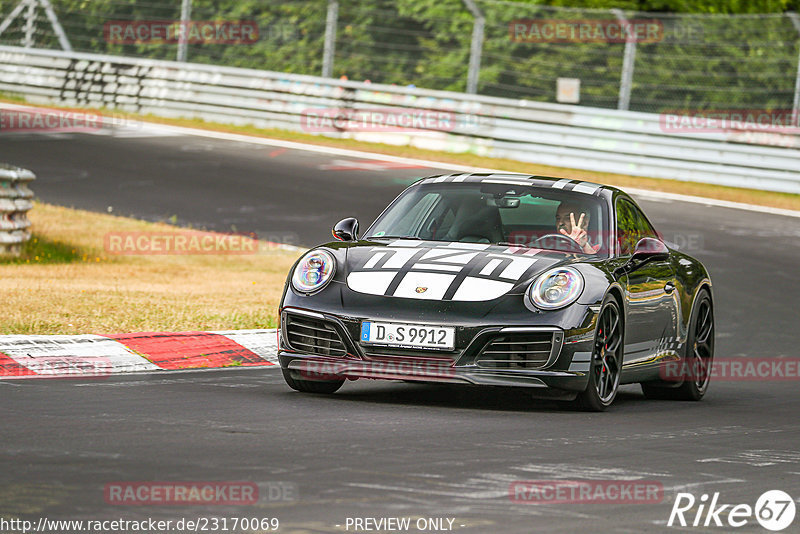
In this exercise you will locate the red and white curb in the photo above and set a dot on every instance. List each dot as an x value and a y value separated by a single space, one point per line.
23 356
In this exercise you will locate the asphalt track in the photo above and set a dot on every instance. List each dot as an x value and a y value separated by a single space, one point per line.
379 449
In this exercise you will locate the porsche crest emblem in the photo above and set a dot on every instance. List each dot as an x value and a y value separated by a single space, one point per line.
421 289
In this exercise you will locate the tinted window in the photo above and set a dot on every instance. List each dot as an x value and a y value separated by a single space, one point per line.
632 225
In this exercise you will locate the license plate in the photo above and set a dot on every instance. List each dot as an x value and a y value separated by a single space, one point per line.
408 335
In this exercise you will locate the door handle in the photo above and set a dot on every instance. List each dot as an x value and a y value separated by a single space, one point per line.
669 287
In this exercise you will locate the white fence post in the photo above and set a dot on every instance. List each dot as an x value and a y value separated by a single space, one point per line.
629 57
330 38
476 47
30 24
183 41
796 102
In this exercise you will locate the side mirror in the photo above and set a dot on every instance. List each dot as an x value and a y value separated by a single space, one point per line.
649 248
346 229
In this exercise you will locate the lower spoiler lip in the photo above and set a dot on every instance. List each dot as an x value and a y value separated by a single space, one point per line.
322 369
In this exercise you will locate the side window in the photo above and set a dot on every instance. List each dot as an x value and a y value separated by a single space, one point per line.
632 225
626 228
643 226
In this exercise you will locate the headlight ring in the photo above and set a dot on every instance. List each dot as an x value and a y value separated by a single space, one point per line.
556 288
313 272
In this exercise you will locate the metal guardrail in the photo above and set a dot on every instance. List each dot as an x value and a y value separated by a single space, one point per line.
15 201
550 134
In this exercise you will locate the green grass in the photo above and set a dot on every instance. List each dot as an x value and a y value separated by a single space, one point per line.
45 251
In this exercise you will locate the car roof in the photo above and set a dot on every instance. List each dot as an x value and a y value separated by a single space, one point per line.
565 184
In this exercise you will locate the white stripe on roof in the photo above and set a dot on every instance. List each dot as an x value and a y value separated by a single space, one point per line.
509 182
561 184
586 187
502 175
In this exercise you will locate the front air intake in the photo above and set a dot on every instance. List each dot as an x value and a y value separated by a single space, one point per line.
309 335
516 351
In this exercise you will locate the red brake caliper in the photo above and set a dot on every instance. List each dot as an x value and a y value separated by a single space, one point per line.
600 333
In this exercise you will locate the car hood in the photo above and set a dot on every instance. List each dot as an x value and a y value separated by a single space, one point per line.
444 271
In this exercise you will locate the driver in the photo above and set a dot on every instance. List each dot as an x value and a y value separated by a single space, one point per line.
567 225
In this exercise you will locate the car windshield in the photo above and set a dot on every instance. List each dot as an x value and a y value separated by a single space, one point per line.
529 216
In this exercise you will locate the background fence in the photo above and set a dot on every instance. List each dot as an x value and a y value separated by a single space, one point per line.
578 137
695 62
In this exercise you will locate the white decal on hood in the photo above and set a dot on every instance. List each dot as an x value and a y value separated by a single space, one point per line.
491 266
517 268
460 275
372 283
399 258
475 289
374 259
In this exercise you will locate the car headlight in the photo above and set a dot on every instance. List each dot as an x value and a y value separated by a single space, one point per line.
556 288
314 271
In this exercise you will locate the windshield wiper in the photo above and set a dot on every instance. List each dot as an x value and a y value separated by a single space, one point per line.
395 237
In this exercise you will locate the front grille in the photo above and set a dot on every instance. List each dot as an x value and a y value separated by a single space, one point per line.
313 336
516 351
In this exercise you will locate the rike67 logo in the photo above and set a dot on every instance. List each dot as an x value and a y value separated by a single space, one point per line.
774 510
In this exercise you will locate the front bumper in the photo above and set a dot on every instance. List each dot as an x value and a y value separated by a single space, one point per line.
566 369
308 367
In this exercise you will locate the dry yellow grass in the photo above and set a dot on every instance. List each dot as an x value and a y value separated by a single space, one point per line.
68 284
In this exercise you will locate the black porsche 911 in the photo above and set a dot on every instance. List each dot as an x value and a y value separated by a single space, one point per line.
556 285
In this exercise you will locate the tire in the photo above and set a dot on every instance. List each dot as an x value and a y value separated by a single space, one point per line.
607 355
698 357
311 386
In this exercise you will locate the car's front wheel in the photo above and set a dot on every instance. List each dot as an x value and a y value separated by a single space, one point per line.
606 366
311 386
